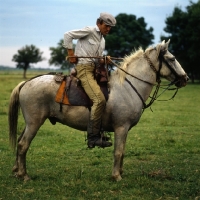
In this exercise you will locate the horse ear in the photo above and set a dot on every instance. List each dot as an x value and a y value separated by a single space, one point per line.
159 47
162 47
167 43
165 46
163 42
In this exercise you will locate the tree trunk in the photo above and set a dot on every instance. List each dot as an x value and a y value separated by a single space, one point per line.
25 69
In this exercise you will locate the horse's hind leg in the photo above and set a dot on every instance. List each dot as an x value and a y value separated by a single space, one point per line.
15 168
119 151
24 142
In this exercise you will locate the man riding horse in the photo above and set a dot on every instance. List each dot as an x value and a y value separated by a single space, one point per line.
91 43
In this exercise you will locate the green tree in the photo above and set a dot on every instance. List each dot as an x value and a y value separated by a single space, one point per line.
58 56
183 28
27 55
129 33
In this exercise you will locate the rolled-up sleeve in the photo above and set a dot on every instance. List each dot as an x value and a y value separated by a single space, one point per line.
74 34
68 41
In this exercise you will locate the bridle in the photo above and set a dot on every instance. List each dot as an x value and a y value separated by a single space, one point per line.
158 80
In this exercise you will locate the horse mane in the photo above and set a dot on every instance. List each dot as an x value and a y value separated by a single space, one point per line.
119 74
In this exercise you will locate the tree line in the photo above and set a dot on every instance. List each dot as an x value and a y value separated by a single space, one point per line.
182 28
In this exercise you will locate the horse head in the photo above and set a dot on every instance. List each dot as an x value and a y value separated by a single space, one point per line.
169 67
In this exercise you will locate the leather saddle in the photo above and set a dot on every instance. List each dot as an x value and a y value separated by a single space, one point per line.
72 93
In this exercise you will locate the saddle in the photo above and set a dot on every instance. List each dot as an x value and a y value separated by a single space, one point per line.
72 93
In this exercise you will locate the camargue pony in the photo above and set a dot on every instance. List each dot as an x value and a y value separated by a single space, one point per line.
130 87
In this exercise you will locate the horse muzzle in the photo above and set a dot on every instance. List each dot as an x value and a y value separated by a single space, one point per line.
182 81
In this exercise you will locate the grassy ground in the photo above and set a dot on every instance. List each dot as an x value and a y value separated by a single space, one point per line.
162 155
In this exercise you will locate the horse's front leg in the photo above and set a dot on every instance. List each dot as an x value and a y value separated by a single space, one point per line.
119 151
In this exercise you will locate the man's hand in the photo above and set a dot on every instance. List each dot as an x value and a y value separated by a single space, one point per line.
71 57
105 60
108 60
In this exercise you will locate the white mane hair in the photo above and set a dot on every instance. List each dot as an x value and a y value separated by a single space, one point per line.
119 74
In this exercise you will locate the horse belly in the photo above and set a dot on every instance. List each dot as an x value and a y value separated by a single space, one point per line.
73 116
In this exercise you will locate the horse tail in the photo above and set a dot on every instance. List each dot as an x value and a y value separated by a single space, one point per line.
13 113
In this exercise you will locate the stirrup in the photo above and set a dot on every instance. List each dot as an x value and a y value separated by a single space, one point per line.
98 142
106 136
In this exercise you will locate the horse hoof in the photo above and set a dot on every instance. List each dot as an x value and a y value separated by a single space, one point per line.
117 178
27 178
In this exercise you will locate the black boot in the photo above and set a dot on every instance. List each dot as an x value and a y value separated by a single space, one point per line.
94 136
98 141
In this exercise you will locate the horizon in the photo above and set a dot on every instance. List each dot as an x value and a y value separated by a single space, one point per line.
43 25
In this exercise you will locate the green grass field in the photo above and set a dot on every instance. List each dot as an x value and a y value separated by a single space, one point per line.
162 155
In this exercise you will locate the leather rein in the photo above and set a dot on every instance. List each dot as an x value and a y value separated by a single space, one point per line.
158 80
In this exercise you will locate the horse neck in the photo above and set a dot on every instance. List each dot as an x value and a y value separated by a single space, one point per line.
140 69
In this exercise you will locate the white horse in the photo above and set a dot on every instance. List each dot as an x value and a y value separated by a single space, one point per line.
128 93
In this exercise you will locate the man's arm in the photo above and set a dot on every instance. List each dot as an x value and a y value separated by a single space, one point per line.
68 41
74 35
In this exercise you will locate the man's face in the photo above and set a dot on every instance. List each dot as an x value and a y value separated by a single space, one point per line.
104 29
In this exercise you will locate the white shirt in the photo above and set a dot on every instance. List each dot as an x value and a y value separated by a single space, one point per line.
90 43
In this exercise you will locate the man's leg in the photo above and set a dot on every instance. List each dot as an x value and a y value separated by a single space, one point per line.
86 75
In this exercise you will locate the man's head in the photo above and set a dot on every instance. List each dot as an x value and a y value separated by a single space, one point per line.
105 22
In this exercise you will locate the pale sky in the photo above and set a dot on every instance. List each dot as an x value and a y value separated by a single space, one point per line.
44 22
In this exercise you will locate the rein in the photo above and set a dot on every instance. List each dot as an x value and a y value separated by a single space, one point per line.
154 97
158 85
96 57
